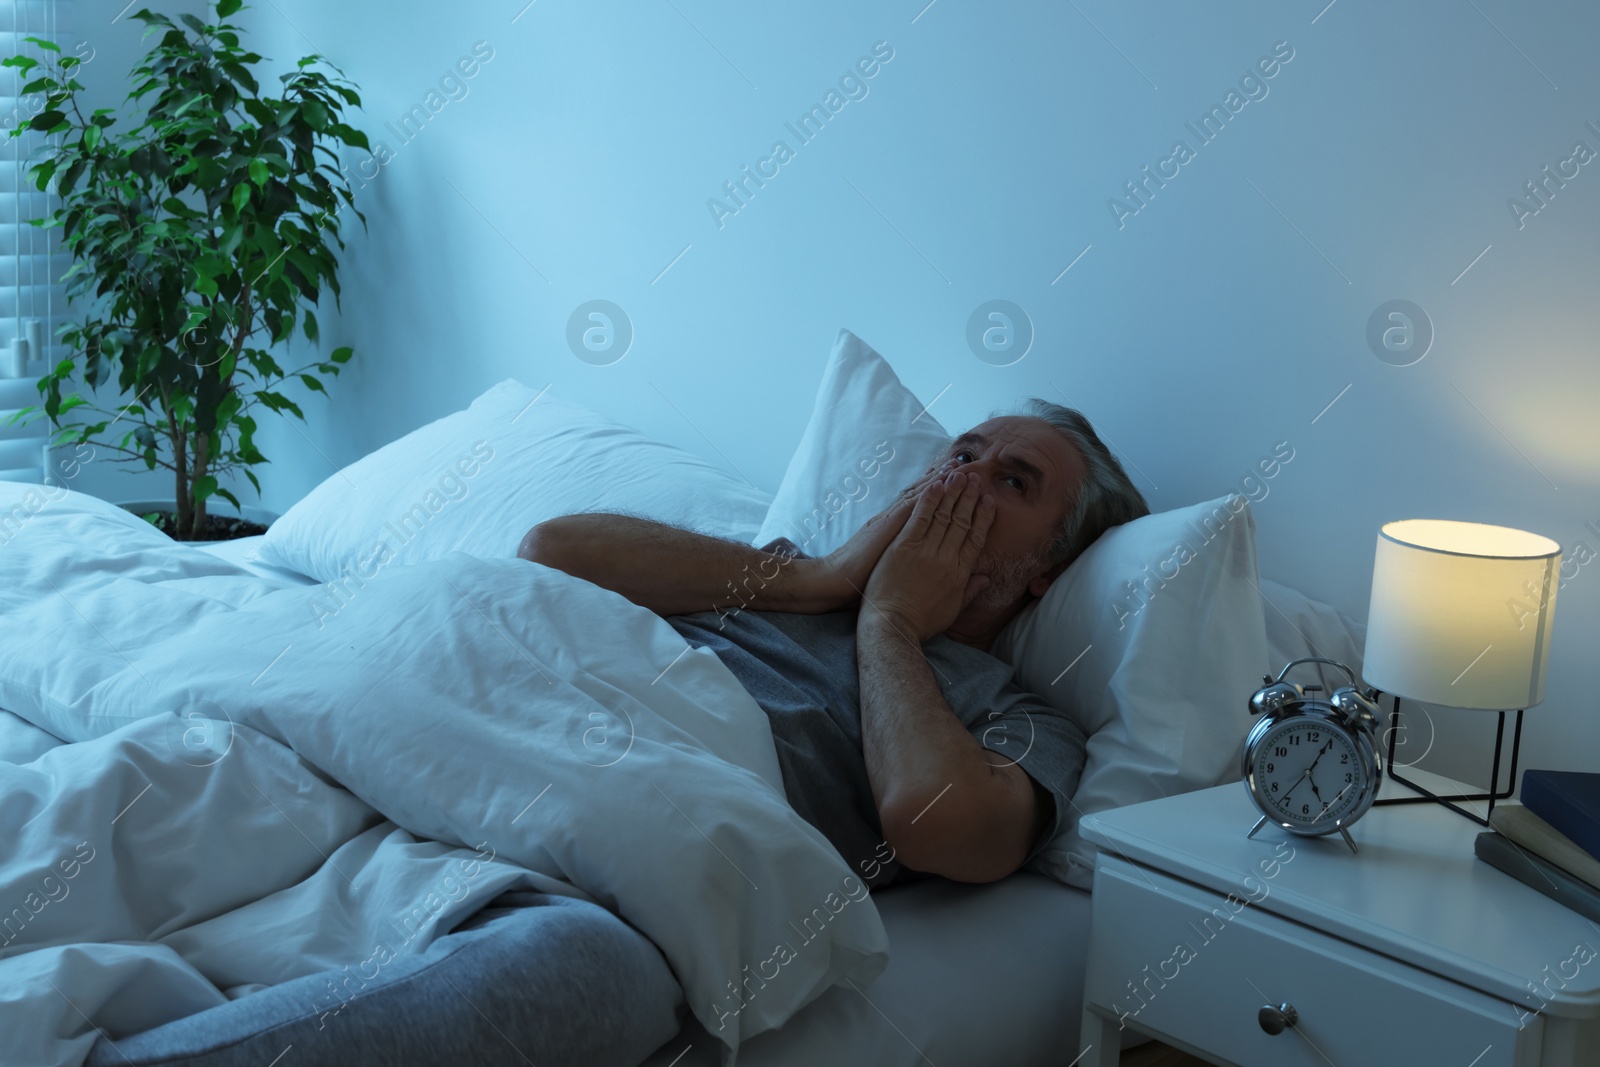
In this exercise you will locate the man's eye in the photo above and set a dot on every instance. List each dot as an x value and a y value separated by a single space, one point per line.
1018 482
963 452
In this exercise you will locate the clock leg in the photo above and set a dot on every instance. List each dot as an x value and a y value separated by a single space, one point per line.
1349 840
1259 824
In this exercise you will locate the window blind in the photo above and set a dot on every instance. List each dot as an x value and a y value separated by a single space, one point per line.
32 305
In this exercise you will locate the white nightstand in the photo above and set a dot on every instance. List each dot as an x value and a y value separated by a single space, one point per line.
1412 953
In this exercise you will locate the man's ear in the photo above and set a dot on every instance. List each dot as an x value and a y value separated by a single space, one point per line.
1039 584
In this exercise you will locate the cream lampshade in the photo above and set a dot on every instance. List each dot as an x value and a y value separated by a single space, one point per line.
1461 614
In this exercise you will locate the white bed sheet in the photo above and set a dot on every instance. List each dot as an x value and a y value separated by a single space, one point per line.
456 755
978 975
242 552
23 742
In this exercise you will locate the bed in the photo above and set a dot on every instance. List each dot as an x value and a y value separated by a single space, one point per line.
976 975
928 971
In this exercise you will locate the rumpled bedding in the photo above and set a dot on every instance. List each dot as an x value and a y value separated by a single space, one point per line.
271 782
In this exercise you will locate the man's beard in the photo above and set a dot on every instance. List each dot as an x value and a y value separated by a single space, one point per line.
1008 576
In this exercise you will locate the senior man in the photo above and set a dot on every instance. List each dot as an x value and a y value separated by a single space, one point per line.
899 736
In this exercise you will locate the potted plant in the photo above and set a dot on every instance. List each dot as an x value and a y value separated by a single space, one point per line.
201 238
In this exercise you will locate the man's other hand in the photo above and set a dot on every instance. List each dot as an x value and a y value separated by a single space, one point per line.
924 577
849 566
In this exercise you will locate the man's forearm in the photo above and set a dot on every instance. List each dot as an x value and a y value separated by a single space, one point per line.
677 572
946 807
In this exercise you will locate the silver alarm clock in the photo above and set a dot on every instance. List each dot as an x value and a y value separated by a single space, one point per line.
1312 765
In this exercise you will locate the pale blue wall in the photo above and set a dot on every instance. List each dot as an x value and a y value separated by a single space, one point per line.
1211 326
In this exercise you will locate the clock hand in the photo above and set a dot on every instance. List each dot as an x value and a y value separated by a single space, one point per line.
1323 751
1303 775
1315 791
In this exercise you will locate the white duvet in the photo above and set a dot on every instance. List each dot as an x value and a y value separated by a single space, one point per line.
263 789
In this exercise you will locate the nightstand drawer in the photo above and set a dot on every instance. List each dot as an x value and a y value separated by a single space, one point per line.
1195 966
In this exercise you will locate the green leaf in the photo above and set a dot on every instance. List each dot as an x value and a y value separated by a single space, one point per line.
264 116
46 120
239 73
203 488
48 46
177 207
22 63
228 7
208 174
241 196
42 173
315 113
258 173
196 99
310 326
69 177
313 384
280 403
193 23
230 498
91 137
351 136
342 354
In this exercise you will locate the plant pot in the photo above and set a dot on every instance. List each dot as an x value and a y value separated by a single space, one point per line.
170 506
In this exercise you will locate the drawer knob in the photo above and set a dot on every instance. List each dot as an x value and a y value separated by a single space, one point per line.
1274 1020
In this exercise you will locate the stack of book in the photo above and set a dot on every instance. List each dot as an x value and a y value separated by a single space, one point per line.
1551 841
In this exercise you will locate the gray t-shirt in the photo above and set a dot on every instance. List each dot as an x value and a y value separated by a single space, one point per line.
801 669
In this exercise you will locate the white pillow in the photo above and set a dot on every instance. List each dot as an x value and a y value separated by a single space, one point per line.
475 481
868 438
1298 626
1152 642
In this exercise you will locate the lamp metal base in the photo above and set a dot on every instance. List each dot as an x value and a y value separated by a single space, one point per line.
1453 800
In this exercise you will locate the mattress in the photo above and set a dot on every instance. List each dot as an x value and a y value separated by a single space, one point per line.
978 975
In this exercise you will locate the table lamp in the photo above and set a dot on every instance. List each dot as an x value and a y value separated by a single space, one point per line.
1460 616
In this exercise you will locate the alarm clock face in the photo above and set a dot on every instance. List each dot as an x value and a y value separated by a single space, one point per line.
1308 774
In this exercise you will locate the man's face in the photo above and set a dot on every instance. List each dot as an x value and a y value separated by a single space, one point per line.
1033 472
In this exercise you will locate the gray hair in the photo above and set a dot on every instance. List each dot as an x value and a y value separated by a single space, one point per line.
1107 496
